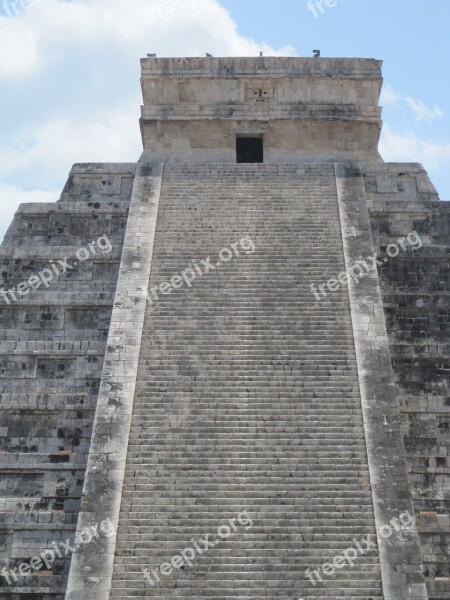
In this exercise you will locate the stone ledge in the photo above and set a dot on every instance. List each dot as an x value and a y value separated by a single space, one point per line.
400 560
282 66
92 566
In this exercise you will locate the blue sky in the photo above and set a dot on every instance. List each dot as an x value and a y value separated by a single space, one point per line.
69 74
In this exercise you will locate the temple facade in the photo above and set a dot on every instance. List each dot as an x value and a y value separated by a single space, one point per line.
225 367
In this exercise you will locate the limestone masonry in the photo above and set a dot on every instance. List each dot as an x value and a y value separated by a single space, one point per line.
225 368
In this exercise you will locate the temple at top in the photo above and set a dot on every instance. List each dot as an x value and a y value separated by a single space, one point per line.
224 368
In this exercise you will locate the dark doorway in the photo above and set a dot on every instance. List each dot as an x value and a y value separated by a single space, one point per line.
249 150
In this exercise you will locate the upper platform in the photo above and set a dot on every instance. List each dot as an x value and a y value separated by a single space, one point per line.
281 66
304 108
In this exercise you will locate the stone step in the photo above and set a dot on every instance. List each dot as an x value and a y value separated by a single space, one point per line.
247 395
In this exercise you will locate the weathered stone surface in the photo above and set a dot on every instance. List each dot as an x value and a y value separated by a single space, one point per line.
305 109
243 392
416 289
52 347
385 449
91 569
273 422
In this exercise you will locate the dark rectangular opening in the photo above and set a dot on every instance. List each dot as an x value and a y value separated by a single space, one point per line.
249 150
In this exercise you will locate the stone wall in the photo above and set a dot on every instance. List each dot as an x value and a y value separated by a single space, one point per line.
56 306
52 346
305 109
285 140
416 290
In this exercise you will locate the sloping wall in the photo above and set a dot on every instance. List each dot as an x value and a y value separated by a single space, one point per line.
416 296
64 258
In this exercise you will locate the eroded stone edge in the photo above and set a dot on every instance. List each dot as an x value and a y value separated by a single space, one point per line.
400 558
92 564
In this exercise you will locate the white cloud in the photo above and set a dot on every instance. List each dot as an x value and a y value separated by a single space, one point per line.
422 112
57 144
402 143
177 27
18 49
389 97
75 67
409 147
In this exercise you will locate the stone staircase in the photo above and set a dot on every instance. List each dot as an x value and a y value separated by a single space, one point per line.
247 397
